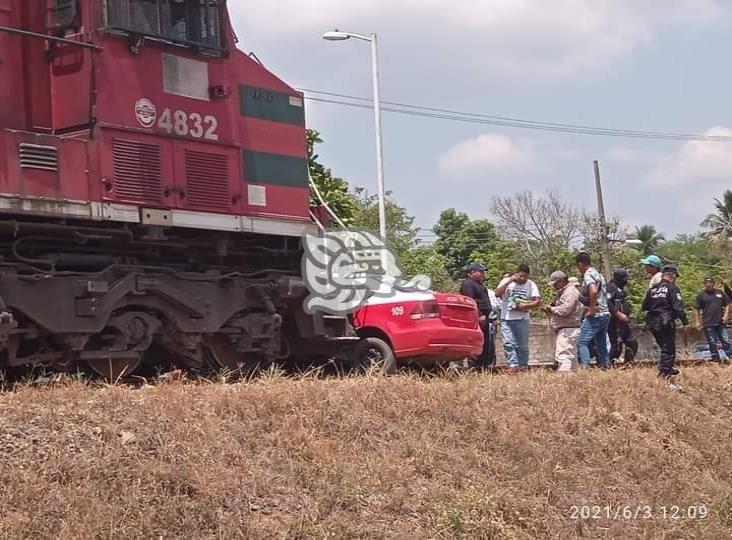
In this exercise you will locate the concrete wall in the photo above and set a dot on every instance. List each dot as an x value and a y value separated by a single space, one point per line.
542 338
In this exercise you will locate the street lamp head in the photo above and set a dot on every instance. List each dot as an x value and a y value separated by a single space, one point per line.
634 242
336 35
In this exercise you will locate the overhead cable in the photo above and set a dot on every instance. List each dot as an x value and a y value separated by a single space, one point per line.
505 121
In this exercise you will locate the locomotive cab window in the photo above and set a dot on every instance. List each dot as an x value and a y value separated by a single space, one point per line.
188 22
64 16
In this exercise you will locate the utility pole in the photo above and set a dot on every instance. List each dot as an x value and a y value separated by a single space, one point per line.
603 224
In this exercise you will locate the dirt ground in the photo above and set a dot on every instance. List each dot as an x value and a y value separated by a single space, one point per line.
596 455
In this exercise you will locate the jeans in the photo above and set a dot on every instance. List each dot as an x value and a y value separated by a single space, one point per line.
594 329
717 335
516 342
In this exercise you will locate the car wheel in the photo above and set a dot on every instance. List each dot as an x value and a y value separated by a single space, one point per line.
375 353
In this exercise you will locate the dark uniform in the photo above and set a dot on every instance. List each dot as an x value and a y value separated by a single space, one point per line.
664 305
478 292
620 333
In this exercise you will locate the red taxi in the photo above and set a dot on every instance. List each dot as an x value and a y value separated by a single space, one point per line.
423 328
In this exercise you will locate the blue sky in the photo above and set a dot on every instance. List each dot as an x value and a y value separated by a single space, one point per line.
643 64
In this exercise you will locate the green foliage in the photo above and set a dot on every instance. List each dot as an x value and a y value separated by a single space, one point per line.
649 237
426 260
462 241
401 234
333 189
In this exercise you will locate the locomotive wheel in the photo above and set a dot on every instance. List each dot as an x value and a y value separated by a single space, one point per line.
114 369
221 354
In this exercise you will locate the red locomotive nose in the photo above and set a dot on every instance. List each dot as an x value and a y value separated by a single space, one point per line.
156 187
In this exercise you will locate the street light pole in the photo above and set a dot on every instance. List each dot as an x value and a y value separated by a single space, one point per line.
337 35
379 147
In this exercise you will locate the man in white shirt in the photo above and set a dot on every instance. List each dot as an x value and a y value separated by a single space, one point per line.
519 295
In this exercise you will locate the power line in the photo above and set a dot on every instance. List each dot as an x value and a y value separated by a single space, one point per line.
504 121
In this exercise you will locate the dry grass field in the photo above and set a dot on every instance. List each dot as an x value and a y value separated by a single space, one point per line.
403 457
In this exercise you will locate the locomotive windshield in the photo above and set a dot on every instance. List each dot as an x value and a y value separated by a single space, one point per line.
189 22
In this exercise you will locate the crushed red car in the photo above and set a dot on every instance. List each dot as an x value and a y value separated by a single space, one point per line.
423 328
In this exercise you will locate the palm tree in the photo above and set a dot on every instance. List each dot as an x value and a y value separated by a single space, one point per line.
720 222
650 239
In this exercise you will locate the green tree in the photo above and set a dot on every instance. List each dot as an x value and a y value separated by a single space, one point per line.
401 234
462 241
333 189
426 260
650 239
720 221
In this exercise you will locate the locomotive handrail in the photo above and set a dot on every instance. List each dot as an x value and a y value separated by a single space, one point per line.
28 33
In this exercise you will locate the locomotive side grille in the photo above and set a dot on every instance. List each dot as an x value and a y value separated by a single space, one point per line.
137 171
207 180
36 156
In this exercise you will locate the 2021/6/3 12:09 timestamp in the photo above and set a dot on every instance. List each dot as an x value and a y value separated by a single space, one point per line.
631 511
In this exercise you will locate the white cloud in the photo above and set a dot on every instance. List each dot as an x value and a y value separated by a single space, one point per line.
696 172
520 38
696 164
487 152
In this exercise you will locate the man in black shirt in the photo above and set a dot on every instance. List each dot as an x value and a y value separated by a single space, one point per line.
664 305
473 287
711 312
619 331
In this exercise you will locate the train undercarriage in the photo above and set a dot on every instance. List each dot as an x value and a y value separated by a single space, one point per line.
114 297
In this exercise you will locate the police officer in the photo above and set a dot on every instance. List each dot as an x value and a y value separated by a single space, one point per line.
620 331
473 287
664 305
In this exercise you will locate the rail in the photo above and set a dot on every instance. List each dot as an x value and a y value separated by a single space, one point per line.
28 33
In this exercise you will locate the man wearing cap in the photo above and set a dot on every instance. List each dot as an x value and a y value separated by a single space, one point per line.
594 327
663 305
473 287
652 266
711 313
619 330
566 313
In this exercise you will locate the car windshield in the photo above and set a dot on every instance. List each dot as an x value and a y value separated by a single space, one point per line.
188 22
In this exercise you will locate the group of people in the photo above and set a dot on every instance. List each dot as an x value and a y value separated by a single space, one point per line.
592 317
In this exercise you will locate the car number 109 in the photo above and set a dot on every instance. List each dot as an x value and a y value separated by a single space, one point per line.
397 311
189 125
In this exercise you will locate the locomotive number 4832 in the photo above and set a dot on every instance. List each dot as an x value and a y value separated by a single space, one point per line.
193 125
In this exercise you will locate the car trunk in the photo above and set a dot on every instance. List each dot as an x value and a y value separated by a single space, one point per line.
457 310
